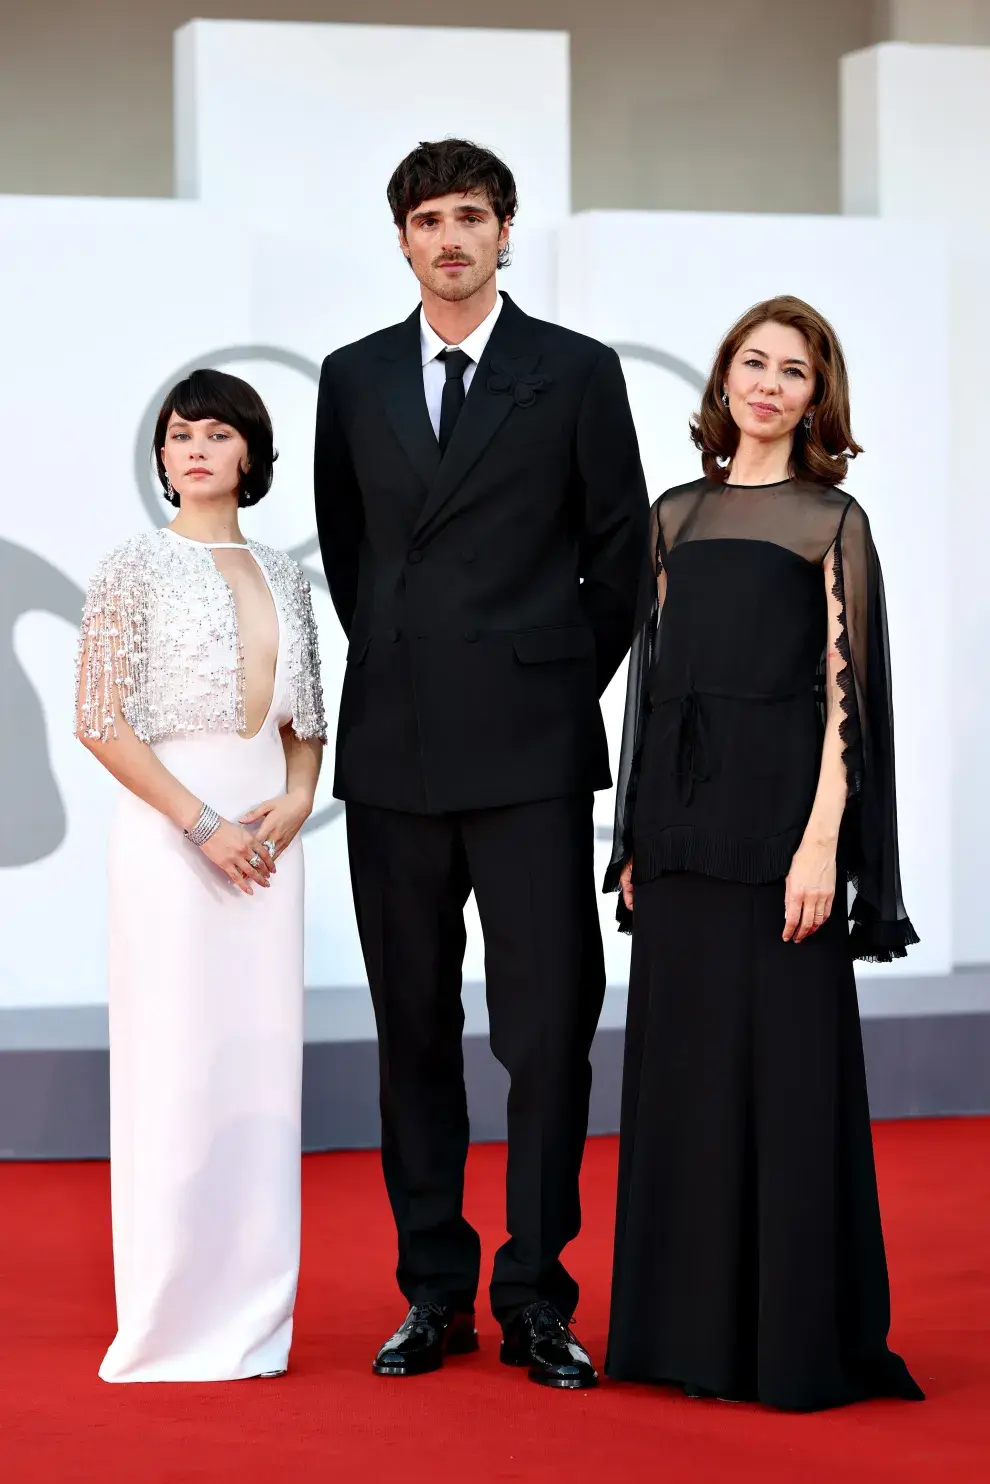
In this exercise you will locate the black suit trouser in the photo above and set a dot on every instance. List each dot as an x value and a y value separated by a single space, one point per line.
532 871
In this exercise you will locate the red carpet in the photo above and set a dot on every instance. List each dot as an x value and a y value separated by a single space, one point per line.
331 1420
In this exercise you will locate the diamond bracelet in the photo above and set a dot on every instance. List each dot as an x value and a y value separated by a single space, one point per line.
206 825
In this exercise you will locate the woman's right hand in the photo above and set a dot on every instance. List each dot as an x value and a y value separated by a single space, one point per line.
625 882
231 848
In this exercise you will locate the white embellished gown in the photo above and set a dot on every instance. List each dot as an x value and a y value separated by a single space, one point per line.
207 663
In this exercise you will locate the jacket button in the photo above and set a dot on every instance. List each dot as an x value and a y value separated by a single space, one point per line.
415 555
471 636
391 635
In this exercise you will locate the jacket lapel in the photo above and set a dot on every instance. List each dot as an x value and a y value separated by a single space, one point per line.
405 400
483 412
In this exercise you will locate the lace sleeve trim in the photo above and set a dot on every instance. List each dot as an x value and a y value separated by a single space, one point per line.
850 729
875 936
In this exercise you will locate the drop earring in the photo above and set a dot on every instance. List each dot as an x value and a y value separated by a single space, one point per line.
169 492
809 421
725 398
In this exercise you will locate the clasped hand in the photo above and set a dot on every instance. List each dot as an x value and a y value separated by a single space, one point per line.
247 856
235 851
279 821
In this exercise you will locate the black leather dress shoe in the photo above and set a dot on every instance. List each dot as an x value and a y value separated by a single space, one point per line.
425 1336
539 1338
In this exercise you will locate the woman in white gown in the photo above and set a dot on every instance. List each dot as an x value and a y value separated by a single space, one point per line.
199 689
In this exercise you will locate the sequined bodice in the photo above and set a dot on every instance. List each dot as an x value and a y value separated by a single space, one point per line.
160 642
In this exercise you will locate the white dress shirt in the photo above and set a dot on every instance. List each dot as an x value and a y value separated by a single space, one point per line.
435 372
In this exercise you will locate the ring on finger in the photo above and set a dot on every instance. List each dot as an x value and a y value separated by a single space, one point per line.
254 860
270 847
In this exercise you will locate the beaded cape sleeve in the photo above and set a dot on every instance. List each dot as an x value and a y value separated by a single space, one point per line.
111 661
830 531
308 716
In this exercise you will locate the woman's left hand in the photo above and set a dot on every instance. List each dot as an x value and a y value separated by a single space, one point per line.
809 890
281 820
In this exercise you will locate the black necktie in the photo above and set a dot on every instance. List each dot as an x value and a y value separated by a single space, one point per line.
456 363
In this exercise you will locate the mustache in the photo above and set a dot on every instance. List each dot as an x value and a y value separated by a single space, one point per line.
448 257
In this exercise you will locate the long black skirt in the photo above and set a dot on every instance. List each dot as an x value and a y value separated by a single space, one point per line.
749 1256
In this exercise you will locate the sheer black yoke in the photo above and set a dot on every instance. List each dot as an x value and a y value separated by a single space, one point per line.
726 695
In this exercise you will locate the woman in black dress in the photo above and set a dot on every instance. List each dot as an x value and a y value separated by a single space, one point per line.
757 779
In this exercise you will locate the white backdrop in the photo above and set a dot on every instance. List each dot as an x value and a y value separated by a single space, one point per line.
275 266
916 148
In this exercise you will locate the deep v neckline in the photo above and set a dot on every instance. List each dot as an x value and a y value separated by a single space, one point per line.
211 546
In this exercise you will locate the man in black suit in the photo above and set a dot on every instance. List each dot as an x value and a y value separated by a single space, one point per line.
482 517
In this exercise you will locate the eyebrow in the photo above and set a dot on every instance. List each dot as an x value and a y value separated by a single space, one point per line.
788 361
213 422
479 208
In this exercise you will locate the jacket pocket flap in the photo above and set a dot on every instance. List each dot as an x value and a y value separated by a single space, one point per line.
539 645
357 649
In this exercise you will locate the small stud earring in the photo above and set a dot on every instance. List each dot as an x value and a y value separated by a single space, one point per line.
725 399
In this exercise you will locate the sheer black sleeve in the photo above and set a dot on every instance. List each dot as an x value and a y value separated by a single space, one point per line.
881 929
645 639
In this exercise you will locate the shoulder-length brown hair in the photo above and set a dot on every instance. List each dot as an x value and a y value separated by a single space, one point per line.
822 454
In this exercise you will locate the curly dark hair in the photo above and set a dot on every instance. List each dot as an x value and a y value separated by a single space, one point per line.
821 454
452 166
226 399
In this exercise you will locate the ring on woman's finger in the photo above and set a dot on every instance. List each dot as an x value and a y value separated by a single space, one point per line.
254 860
270 847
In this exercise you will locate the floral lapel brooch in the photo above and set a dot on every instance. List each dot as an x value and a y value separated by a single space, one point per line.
521 385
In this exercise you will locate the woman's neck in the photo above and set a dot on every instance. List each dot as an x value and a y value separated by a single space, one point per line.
757 462
216 521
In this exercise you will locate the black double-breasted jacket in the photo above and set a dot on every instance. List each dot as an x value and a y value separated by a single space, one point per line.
488 596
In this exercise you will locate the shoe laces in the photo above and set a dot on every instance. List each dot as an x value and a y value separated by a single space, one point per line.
545 1322
422 1315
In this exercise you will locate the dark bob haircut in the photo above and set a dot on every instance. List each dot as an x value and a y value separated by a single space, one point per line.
820 454
452 167
213 395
